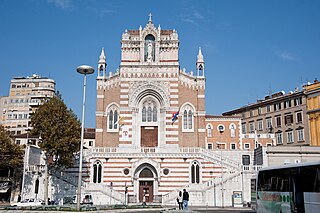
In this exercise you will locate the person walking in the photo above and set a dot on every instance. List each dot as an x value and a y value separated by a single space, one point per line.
185 199
179 200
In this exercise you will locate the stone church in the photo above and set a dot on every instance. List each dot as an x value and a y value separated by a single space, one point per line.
152 138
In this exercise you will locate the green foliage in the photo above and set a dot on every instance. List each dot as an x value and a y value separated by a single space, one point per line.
59 130
11 154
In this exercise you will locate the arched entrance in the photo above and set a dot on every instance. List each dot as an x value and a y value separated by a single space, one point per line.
146 186
146 181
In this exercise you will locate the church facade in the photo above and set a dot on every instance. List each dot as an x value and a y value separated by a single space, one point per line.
153 137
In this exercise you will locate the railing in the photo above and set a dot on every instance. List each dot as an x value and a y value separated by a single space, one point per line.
156 199
107 190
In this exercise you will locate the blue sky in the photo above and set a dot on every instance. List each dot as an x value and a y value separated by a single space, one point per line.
250 47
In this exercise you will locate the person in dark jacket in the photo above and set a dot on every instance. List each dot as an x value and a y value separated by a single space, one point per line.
185 199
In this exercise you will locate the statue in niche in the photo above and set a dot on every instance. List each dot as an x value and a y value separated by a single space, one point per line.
149 52
149 45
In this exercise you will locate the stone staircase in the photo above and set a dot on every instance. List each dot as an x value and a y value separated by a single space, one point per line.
106 190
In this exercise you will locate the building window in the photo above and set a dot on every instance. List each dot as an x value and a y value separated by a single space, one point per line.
259 111
187 118
268 108
210 146
279 138
278 121
233 146
251 113
288 119
299 117
126 171
195 172
290 137
300 135
251 127
260 125
277 106
90 143
149 111
246 160
166 171
247 146
243 127
113 119
144 114
232 128
18 142
97 172
298 101
269 124
209 131
287 104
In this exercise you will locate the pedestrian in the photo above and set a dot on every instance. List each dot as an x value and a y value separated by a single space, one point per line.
185 199
179 200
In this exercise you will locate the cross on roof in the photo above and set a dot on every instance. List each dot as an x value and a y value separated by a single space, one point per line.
150 17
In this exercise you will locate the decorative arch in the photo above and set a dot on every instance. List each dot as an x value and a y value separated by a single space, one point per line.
149 90
142 168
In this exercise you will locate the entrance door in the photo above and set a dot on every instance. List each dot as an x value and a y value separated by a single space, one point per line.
146 191
149 136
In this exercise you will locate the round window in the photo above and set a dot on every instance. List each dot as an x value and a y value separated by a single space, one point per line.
126 171
166 171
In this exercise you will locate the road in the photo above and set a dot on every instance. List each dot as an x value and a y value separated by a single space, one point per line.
199 210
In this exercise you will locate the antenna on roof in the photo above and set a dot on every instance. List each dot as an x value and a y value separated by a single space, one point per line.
270 91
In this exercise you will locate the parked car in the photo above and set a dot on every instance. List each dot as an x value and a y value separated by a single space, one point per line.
29 202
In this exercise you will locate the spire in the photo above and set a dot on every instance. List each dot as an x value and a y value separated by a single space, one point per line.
102 64
200 64
102 57
200 56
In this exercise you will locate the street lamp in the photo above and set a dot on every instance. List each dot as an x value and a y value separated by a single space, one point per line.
221 130
85 70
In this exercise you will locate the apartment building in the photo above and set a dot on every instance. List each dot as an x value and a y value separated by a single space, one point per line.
279 115
25 96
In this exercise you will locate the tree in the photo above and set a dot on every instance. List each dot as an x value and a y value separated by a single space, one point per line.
59 135
11 154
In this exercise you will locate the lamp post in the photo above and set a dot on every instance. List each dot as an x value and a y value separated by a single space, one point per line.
221 130
85 70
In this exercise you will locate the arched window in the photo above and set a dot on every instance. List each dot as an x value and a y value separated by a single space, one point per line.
195 172
144 114
149 115
209 131
232 130
188 118
185 119
113 119
154 115
97 172
149 111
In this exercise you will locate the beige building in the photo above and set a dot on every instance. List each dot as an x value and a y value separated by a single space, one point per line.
26 94
281 118
313 111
